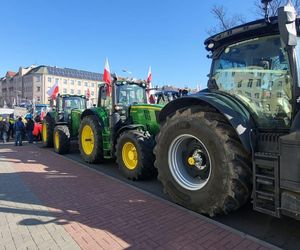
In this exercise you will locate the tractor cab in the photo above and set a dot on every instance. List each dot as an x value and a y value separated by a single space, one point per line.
65 104
125 94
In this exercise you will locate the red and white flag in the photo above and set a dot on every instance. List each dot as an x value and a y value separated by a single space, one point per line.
149 80
107 77
88 94
149 76
53 91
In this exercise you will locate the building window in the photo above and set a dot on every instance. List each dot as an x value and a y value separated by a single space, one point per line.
92 84
250 83
78 92
65 91
38 98
258 83
56 80
79 83
279 95
49 79
257 95
38 89
92 93
72 91
248 94
240 84
86 84
72 82
65 81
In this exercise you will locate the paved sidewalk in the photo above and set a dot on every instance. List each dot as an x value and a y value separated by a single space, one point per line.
49 201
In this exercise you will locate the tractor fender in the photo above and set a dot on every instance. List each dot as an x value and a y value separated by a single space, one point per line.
236 114
129 127
92 112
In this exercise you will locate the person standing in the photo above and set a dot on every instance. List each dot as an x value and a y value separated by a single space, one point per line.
5 130
29 128
19 128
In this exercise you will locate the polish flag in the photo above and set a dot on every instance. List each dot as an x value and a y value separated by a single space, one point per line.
149 80
88 94
107 77
53 91
149 76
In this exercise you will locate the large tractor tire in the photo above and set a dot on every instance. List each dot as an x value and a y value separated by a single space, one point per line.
47 131
61 139
90 140
134 155
201 162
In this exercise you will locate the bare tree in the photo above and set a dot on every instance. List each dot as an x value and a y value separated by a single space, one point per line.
273 7
224 20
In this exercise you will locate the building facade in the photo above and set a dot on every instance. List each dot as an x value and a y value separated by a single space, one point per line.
32 85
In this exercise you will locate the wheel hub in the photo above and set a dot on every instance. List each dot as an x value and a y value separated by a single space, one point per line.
197 160
189 162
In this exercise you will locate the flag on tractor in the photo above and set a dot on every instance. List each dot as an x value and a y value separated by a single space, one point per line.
107 77
53 91
149 80
88 94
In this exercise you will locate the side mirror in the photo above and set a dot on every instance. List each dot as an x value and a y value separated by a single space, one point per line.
287 24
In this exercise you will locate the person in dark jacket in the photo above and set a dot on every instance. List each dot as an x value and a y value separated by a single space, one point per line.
19 128
29 128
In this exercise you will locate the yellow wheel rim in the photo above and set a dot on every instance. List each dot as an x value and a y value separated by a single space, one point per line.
44 128
56 140
129 155
87 140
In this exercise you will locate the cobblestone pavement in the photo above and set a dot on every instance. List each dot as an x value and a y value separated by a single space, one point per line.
48 201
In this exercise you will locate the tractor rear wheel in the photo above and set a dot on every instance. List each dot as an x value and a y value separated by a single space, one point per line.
61 139
47 131
90 140
134 154
201 162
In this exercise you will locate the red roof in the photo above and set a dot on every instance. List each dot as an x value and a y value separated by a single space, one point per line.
10 74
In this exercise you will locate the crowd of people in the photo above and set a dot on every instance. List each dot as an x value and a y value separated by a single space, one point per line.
23 128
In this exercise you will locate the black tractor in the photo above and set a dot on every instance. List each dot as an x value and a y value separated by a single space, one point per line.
240 137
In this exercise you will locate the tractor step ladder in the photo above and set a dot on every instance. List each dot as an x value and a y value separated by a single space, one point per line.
266 183
106 144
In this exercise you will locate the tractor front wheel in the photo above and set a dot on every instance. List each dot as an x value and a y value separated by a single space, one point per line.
90 140
47 131
134 153
61 139
201 162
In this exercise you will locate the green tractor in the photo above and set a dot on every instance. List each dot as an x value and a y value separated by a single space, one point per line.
123 126
240 137
61 125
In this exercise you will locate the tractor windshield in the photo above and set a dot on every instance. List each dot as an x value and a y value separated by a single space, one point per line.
74 102
128 94
257 72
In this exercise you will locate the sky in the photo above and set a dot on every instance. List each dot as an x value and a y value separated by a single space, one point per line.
132 34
